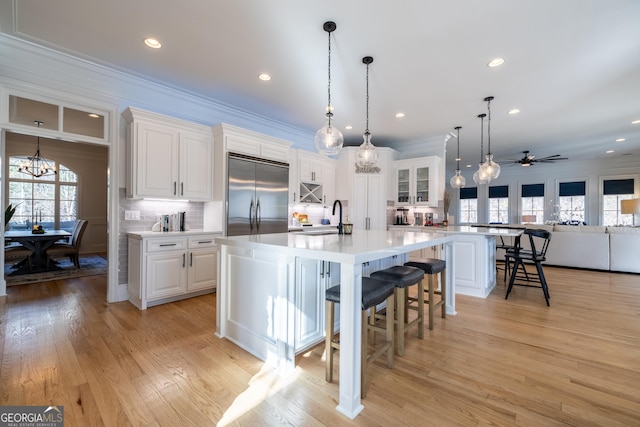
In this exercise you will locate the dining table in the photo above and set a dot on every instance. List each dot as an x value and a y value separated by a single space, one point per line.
38 243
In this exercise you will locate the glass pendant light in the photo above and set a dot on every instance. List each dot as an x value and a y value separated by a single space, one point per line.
491 168
458 181
367 155
480 177
328 138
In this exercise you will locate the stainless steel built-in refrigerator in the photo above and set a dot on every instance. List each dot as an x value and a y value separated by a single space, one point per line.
257 194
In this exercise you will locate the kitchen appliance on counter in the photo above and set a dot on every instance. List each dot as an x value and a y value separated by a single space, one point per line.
402 216
257 196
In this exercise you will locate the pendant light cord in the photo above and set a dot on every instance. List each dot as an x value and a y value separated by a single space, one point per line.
481 116
366 131
458 155
329 112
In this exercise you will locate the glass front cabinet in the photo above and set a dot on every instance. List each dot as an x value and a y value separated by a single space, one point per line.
416 182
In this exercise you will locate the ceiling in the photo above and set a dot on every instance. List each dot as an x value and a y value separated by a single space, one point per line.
572 67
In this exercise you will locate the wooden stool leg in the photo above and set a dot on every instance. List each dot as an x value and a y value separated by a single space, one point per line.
390 326
421 309
364 364
400 319
431 300
328 340
443 291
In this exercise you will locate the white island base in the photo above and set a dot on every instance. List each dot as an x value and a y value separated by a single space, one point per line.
265 308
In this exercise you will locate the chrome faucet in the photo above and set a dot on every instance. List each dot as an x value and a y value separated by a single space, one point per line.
340 228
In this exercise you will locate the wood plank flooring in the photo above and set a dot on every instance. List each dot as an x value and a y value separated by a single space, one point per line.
498 362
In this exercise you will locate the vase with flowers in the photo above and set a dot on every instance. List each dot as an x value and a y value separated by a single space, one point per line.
446 204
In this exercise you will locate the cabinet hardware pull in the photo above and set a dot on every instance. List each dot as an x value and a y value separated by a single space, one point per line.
184 259
321 268
167 244
191 259
204 241
182 188
175 188
328 269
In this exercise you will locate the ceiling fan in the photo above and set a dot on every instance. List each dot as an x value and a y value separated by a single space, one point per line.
530 159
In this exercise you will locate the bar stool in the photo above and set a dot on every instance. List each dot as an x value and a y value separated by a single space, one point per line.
402 277
432 267
374 292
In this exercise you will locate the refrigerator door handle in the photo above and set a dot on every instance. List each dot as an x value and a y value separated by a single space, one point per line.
250 216
258 215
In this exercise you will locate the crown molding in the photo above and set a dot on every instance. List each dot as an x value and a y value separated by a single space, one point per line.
58 70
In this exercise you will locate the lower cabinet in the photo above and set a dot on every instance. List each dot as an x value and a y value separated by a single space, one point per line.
312 279
166 268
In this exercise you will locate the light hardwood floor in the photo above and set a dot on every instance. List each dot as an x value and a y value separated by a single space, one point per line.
513 362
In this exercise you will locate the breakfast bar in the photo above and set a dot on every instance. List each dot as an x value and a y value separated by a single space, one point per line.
262 304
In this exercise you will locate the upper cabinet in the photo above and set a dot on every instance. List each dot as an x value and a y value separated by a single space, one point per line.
417 181
316 178
168 158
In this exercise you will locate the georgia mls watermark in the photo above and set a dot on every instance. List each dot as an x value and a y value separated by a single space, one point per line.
31 416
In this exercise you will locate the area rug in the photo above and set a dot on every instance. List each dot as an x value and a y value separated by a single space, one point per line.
90 265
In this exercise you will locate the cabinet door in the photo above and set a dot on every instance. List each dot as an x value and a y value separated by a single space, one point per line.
358 210
376 203
309 303
166 274
202 273
156 166
196 180
309 169
328 183
403 185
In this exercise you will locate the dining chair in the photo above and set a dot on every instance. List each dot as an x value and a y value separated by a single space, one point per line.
539 243
18 252
71 250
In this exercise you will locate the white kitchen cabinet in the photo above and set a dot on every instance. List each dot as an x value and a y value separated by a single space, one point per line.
168 158
165 267
316 178
313 278
417 181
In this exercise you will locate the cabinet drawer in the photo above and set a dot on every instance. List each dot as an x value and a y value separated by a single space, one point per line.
163 245
202 242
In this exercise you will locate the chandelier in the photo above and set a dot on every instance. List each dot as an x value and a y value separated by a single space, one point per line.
37 165
458 181
491 168
328 139
367 154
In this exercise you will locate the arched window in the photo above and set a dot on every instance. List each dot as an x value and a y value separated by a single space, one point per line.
51 201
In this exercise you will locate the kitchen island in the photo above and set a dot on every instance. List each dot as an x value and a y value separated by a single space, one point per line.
475 248
261 305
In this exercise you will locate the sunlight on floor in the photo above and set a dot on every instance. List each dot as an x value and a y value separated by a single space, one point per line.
264 384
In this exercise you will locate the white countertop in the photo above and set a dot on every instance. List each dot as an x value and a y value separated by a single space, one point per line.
461 229
361 246
147 233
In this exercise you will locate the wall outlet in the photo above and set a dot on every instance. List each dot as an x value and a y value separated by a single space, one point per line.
132 215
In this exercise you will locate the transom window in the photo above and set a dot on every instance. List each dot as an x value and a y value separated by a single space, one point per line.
51 201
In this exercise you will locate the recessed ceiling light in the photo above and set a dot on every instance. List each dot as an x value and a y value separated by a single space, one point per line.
635 122
348 127
609 151
399 115
468 166
496 62
514 111
152 43
94 115
621 139
264 77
